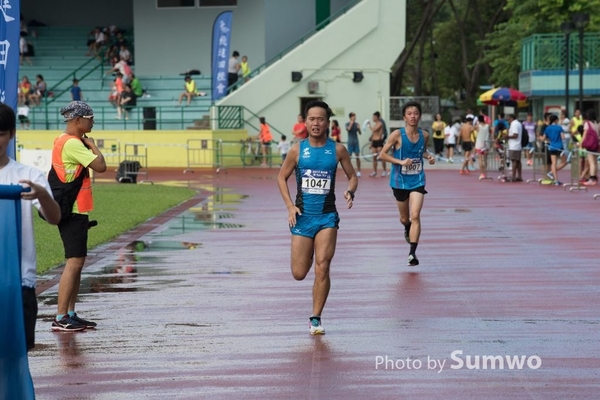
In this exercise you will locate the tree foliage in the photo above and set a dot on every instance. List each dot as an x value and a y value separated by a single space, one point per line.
529 17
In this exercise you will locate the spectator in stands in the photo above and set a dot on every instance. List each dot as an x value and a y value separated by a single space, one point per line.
128 100
245 69
23 50
113 97
136 86
24 89
122 67
23 114
96 44
190 90
120 86
40 91
233 70
76 94
124 54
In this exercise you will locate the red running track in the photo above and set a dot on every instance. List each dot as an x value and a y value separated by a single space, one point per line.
507 270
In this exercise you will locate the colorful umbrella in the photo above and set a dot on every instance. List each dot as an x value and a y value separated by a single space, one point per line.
503 96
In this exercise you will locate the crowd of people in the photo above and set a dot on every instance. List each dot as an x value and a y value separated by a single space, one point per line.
508 138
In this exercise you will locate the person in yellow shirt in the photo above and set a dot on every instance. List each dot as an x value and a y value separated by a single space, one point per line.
438 128
576 121
245 69
190 91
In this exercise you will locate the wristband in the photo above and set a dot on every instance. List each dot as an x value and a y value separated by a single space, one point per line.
351 193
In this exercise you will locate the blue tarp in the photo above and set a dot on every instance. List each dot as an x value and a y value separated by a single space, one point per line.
15 379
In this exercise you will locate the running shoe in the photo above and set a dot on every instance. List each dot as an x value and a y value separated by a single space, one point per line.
482 176
67 324
315 326
590 182
383 174
557 183
412 260
358 174
462 172
84 322
550 175
373 174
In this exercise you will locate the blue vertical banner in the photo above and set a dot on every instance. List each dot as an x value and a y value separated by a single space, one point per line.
10 29
220 54
15 379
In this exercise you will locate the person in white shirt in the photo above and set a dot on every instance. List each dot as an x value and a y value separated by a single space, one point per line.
284 147
23 115
481 143
514 147
23 51
40 196
451 133
565 122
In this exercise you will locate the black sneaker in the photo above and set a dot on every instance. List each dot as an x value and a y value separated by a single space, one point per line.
84 322
412 260
67 324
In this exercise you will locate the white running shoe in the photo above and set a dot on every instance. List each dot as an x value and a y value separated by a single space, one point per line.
383 174
358 174
315 326
373 174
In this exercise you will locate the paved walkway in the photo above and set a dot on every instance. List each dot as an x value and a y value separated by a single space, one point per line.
201 303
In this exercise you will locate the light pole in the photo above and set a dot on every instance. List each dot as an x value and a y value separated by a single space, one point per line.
567 28
581 20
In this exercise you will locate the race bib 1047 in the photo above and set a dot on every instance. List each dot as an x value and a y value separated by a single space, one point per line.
413 169
316 182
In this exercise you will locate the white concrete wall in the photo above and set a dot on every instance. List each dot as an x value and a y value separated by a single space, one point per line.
170 41
368 38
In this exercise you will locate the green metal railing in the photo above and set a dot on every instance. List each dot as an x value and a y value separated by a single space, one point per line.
547 52
297 43
165 117
233 117
71 76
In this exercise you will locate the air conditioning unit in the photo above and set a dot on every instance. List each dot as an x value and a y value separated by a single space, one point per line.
313 87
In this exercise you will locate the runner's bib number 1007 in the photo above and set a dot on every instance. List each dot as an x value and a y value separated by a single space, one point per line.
316 182
413 169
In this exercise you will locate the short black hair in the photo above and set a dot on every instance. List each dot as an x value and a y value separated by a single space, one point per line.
8 121
411 104
481 119
320 104
553 118
236 54
262 120
283 137
377 114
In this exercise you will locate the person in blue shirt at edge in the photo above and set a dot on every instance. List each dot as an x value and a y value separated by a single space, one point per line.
407 177
313 217
553 135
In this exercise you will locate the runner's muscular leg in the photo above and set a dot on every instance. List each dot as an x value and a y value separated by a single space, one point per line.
416 204
325 243
302 256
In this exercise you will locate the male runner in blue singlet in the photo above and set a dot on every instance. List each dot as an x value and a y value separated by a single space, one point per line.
313 218
407 177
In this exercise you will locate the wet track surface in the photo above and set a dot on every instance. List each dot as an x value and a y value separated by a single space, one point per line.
201 303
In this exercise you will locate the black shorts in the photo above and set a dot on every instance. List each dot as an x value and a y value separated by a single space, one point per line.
402 195
555 152
30 310
376 144
450 145
467 146
74 234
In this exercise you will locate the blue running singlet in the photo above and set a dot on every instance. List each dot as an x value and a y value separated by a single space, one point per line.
412 176
315 178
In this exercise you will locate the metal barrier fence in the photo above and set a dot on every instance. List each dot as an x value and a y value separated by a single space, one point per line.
135 153
494 160
576 161
207 153
540 162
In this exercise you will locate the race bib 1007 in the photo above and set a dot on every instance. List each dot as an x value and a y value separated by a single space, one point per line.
316 182
413 169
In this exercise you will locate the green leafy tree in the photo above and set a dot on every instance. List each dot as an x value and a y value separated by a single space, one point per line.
526 18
